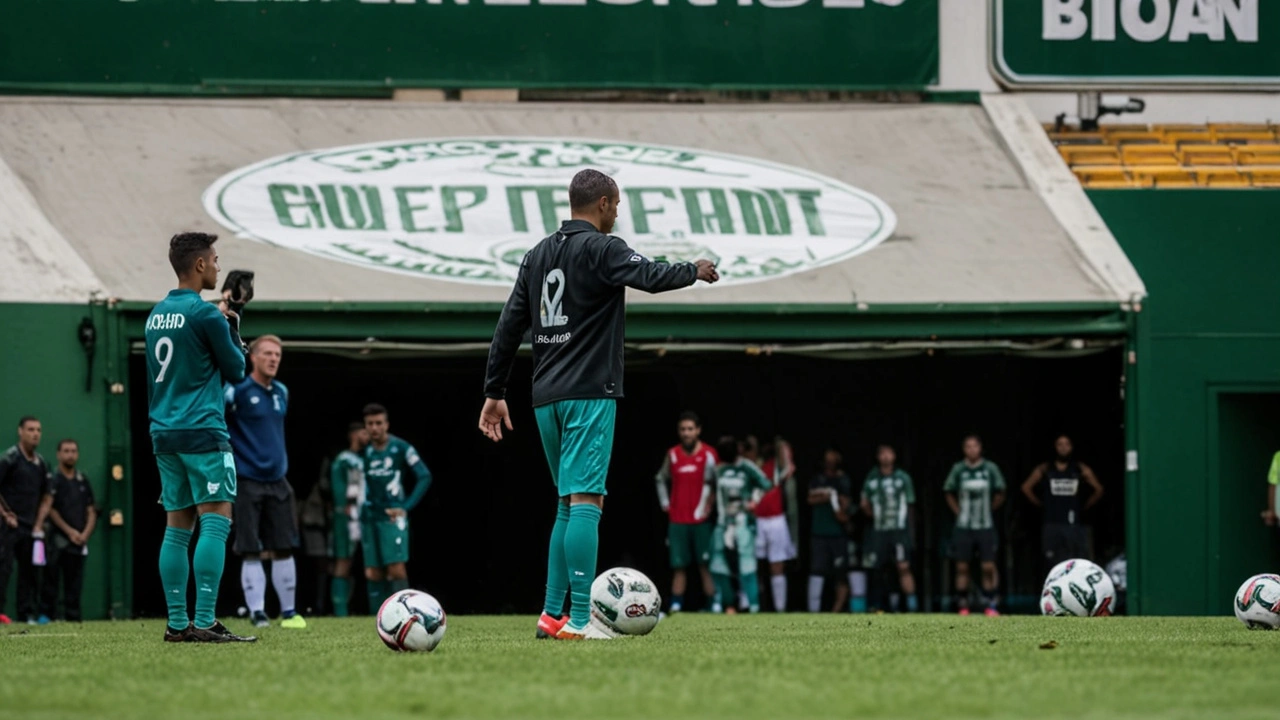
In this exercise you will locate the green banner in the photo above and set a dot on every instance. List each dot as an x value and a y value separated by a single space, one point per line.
1137 43
290 46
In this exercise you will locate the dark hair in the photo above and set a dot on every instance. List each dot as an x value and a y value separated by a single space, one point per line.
588 186
690 416
1060 436
355 427
749 443
973 436
727 449
26 419
186 248
66 441
885 446
373 409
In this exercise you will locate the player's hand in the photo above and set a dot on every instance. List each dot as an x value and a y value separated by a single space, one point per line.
666 507
396 513
751 505
76 538
492 417
707 272
1269 517
11 520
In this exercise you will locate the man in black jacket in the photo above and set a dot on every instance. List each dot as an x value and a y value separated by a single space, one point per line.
578 278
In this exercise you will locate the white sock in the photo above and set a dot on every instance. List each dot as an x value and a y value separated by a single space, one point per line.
858 584
254 582
815 593
284 576
779 583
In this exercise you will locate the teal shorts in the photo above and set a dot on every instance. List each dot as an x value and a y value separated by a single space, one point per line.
577 436
385 542
744 542
190 479
689 544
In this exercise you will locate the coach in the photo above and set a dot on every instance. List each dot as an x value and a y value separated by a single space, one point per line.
265 523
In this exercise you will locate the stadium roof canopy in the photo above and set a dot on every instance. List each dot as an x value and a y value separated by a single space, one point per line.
90 190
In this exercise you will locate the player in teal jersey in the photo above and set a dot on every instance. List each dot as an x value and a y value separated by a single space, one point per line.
346 482
887 497
192 347
384 514
738 484
975 490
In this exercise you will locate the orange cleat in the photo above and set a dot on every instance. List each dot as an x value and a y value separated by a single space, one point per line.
549 626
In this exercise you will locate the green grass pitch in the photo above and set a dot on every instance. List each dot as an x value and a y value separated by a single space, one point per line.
692 666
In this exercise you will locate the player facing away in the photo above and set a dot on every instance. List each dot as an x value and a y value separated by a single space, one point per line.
571 290
738 485
384 514
192 347
346 482
975 490
685 468
887 498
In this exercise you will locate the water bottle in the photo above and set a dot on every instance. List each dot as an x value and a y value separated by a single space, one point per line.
37 553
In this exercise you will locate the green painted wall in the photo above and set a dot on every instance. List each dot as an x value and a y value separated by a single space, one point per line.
1209 366
45 371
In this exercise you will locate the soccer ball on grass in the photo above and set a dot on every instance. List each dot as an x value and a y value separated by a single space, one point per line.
411 621
1257 602
1078 588
624 602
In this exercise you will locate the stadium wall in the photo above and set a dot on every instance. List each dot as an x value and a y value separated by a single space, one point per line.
1207 345
48 380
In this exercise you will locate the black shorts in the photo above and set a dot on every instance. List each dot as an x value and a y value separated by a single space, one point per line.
964 542
828 555
1064 542
264 517
887 547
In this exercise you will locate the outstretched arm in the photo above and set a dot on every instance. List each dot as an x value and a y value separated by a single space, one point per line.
624 267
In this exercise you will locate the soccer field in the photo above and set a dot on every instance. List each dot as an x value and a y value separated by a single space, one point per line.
695 666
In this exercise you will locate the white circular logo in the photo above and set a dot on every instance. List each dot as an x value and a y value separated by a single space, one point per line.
467 209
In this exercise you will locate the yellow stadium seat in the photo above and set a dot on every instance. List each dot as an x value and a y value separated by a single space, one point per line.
1224 178
1076 137
1134 136
1124 127
1258 154
1101 173
1159 154
1089 154
1162 176
1110 184
1265 178
1244 136
1206 155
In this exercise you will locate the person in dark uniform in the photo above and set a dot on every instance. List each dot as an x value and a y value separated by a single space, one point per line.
1065 536
74 517
830 493
25 499
571 291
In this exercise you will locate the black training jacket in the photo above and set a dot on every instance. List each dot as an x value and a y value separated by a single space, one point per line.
571 293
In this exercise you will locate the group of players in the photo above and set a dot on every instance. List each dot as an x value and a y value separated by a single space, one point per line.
756 520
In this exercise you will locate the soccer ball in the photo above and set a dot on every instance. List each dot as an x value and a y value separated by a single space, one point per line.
1078 588
624 602
411 621
1258 602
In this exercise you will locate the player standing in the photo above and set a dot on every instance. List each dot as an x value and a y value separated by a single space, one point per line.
1064 535
571 290
774 541
191 349
887 497
739 484
685 467
975 490
384 514
346 482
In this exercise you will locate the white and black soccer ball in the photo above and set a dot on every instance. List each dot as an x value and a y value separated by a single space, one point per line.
411 621
1078 588
624 602
1257 602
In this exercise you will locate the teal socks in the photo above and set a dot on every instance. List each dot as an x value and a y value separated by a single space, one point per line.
581 541
377 593
557 566
340 594
751 586
207 564
174 569
724 591
395 586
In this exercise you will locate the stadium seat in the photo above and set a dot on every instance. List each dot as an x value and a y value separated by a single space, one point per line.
1094 175
1224 178
1180 136
1089 154
1158 154
1162 176
1244 136
1111 184
1134 136
1206 155
1076 138
1258 154
1265 178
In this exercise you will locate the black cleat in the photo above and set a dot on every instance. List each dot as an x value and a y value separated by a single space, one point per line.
207 635
178 636
229 636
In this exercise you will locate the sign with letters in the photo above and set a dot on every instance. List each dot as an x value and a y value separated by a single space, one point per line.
468 209
1136 43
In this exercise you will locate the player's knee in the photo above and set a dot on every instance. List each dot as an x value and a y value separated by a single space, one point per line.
374 574
397 572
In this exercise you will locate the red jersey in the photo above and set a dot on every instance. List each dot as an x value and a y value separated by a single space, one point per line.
771 504
688 473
